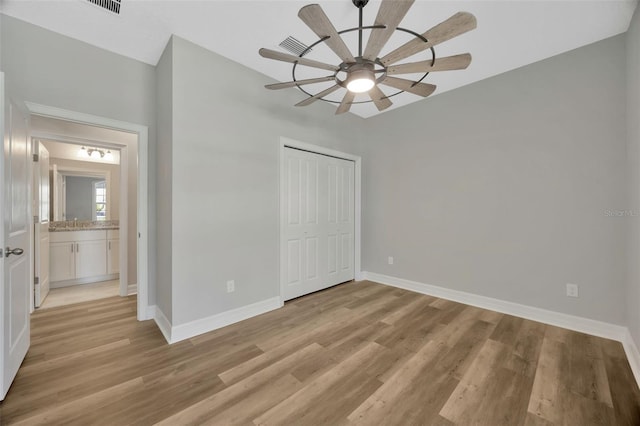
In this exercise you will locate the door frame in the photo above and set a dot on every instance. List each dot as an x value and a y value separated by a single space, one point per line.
143 310
316 149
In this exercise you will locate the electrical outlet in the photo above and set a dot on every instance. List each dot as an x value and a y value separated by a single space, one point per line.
390 260
231 286
572 290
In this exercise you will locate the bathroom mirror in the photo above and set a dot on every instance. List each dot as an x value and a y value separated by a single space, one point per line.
80 195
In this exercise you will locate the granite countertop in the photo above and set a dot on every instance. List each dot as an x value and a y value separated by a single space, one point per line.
83 225
82 228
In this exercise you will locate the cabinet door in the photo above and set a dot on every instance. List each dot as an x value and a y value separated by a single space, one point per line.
91 258
113 256
62 261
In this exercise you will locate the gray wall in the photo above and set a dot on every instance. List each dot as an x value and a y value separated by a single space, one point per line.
633 167
50 69
501 188
164 76
226 130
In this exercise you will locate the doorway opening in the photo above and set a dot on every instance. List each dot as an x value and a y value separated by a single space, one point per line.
120 209
77 240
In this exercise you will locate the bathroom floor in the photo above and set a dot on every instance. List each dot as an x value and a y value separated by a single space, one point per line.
81 293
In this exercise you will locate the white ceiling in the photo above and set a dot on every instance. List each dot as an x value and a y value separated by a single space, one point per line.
510 33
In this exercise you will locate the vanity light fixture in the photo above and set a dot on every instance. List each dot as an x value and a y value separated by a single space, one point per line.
95 153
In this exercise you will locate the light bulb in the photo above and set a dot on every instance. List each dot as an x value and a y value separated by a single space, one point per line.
360 80
108 156
360 85
82 153
96 154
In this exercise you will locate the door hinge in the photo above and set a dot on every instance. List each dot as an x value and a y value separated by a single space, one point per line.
36 158
36 280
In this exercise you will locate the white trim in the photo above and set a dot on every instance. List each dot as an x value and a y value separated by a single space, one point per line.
143 219
133 289
151 311
633 355
3 336
292 143
214 322
161 320
123 221
571 322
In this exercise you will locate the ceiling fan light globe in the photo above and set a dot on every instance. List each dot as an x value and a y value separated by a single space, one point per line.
360 85
360 81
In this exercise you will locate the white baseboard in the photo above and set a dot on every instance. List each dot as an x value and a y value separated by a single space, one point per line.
132 289
180 332
163 323
151 312
633 355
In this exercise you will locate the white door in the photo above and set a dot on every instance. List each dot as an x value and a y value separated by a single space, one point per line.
59 201
317 222
41 226
15 293
340 218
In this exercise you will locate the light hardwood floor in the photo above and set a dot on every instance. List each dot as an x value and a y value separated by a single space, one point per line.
80 293
359 353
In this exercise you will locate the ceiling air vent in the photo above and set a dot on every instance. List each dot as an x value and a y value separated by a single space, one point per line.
294 46
110 5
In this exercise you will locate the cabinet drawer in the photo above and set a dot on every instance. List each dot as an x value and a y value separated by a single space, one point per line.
68 236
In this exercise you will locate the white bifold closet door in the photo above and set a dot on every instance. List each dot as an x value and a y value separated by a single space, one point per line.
317 247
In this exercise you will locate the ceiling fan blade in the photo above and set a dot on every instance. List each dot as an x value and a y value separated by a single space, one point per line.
390 14
285 57
420 89
317 20
322 94
345 105
379 98
449 63
458 24
299 82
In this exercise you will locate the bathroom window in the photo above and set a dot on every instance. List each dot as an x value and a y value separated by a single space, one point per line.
100 195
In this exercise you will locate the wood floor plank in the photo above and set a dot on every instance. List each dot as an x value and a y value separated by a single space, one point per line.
211 406
466 399
545 401
306 403
386 399
358 353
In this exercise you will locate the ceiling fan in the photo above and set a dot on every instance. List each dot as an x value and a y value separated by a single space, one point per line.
367 71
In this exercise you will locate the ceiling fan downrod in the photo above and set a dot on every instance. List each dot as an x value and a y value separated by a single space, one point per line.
360 4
